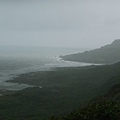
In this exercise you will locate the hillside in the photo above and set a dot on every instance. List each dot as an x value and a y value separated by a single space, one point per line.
106 54
64 90
105 107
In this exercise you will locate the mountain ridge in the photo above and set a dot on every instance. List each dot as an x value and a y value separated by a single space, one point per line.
104 55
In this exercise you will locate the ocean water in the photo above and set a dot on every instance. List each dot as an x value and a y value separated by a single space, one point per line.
19 60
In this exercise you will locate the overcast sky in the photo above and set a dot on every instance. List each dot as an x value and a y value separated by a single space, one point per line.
59 23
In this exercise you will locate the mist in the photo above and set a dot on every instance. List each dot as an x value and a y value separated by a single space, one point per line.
65 23
59 59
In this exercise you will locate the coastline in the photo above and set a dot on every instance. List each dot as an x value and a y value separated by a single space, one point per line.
58 63
30 78
63 89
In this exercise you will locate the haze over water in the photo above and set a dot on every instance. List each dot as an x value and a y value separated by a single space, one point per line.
64 23
19 60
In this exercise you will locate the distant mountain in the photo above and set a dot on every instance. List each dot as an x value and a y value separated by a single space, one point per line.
106 54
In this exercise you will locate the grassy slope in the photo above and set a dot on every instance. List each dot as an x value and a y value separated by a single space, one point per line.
106 107
106 54
63 91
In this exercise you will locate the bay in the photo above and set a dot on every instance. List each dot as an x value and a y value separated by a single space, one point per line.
16 60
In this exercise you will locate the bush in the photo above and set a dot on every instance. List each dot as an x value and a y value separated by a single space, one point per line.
102 110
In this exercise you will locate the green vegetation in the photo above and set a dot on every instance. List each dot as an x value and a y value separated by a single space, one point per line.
102 110
76 93
106 107
106 54
64 90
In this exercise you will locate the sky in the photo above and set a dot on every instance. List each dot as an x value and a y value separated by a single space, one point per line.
59 23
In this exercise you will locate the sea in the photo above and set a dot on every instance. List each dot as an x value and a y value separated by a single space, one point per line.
17 60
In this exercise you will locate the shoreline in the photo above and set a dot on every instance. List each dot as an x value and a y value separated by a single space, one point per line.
16 83
18 79
63 90
60 64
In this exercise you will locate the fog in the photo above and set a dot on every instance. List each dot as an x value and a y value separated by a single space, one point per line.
59 23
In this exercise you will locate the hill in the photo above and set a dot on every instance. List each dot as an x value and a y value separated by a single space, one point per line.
105 107
105 55
64 90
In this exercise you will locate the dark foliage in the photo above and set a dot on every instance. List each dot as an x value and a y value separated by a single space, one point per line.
102 110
